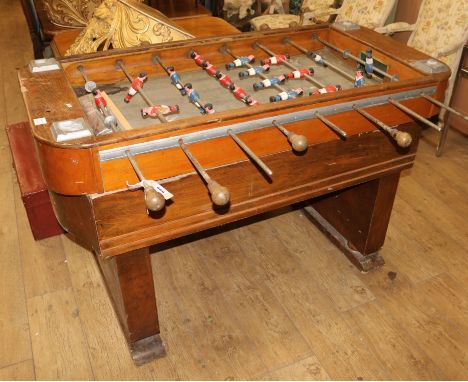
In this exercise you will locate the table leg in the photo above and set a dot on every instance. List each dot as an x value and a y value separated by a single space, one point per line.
357 218
129 280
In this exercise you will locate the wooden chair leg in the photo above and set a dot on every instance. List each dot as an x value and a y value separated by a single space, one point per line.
129 280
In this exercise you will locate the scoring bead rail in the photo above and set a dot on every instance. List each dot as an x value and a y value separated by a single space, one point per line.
347 54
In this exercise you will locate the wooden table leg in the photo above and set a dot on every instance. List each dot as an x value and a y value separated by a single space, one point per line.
357 218
129 280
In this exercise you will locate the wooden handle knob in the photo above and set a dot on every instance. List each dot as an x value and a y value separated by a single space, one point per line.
219 194
403 139
154 200
299 142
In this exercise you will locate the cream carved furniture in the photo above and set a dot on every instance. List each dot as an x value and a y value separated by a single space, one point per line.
371 14
440 31
239 12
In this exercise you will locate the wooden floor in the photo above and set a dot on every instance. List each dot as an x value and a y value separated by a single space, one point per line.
269 300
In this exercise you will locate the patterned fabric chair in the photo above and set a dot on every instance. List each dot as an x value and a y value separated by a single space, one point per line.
371 14
440 31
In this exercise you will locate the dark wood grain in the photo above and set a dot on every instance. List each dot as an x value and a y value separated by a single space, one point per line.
123 223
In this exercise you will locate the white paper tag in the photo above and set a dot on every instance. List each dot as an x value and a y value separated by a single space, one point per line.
152 183
39 121
167 195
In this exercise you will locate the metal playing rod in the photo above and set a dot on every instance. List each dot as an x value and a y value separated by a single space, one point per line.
346 54
403 139
331 125
298 142
219 194
413 114
250 153
444 106
261 75
89 85
308 53
289 65
140 91
108 125
154 200
159 61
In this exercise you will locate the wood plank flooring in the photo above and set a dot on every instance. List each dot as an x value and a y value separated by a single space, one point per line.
273 299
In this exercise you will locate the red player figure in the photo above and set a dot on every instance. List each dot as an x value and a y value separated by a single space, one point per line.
99 100
276 59
197 58
224 80
211 69
136 84
239 93
300 73
326 89
152 111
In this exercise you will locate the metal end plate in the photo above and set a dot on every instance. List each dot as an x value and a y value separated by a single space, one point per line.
429 66
345 25
43 65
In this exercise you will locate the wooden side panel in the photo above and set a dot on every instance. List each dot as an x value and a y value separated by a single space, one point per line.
123 223
68 171
264 142
76 216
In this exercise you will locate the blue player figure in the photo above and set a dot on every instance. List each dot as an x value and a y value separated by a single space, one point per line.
254 70
175 80
369 67
194 97
240 61
318 59
266 83
288 94
359 78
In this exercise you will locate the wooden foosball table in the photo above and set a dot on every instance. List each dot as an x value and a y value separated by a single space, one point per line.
142 146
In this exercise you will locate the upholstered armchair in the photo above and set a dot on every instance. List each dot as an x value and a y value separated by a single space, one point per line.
371 14
440 31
